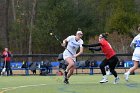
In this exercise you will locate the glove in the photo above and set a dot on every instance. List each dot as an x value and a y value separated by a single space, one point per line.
84 45
92 51
90 48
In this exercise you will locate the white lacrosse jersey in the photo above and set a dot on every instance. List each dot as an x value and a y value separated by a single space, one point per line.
72 46
136 42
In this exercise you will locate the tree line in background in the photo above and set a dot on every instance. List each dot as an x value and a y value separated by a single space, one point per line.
25 24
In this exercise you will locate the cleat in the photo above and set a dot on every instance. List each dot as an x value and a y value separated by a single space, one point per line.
116 81
104 80
66 81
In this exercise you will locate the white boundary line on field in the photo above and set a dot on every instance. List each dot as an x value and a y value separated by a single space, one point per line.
25 86
12 88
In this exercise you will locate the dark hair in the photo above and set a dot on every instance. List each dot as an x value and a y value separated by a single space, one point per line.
139 28
105 35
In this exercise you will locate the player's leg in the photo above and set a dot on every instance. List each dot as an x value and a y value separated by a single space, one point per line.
3 68
70 72
7 68
102 68
69 75
132 69
112 64
10 69
70 62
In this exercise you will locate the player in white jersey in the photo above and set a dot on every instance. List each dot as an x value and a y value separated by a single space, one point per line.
135 44
70 53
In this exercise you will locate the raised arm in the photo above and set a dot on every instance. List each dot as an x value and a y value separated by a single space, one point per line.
64 43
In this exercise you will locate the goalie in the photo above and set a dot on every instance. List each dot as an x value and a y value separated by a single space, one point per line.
111 58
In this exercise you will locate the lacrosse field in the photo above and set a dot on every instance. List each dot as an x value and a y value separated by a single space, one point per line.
78 84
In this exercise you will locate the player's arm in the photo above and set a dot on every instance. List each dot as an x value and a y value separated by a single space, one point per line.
133 43
91 45
96 49
4 55
79 53
64 42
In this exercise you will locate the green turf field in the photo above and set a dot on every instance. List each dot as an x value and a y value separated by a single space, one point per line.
78 84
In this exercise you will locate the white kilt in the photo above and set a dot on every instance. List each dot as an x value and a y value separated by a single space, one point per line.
136 54
66 55
136 57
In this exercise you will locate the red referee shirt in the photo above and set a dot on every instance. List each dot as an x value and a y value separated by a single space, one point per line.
107 49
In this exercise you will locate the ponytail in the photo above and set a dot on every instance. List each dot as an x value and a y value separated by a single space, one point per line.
105 35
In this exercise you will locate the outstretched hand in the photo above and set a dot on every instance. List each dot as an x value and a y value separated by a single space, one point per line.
91 49
84 45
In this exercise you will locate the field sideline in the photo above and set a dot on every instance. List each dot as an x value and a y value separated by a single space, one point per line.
78 84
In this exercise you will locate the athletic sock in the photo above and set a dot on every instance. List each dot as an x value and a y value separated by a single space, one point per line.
65 74
66 70
105 77
128 72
